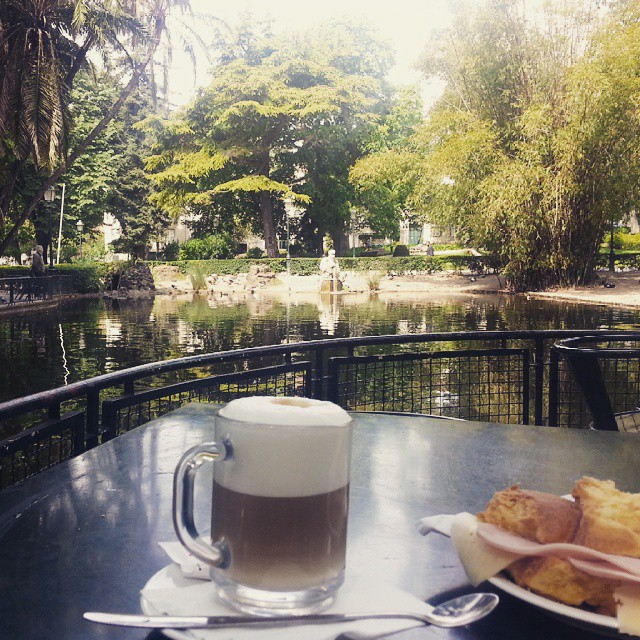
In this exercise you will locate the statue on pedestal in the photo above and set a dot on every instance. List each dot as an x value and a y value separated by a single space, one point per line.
330 272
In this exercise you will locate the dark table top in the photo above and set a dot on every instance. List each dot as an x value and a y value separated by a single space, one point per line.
84 535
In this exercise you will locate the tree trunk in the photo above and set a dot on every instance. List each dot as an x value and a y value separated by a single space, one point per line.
340 242
44 239
340 237
268 225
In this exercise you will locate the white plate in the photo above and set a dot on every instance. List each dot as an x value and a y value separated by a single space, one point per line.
586 620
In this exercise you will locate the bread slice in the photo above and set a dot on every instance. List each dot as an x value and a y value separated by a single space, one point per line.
547 518
610 518
557 579
534 515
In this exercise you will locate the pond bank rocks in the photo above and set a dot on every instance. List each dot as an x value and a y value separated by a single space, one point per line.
259 277
133 281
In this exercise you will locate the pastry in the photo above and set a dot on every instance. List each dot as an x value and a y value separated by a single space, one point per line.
601 517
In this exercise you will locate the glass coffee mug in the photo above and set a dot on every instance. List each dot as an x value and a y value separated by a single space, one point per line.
279 503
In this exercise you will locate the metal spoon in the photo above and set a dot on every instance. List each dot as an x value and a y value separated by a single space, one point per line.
453 613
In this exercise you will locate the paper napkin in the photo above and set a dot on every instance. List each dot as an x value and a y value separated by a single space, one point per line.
171 592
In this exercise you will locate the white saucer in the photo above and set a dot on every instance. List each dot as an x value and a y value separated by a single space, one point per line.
189 596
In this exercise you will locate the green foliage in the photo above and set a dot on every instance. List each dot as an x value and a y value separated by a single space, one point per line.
373 279
625 241
275 109
532 151
86 277
8 271
383 264
208 248
198 273
385 178
43 49
171 251
630 260
255 252
400 251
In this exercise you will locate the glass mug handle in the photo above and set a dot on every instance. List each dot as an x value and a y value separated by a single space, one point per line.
183 485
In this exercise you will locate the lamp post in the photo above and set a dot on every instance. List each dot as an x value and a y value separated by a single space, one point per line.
80 228
64 188
288 204
612 253
49 196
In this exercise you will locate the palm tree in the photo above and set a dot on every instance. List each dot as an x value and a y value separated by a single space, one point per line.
43 44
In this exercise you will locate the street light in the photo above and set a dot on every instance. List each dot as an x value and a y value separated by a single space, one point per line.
80 228
49 196
64 188
288 206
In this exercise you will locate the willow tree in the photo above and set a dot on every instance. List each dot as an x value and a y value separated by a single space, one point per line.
531 151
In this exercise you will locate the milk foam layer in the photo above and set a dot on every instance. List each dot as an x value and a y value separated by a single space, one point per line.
286 411
284 447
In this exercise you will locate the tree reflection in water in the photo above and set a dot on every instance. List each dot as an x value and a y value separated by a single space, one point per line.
84 338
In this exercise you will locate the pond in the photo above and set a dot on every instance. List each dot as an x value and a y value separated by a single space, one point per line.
47 348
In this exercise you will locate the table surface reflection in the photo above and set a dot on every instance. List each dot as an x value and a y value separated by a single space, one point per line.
84 535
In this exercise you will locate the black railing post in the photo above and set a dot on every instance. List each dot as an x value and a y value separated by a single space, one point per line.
54 411
78 433
539 380
554 389
318 379
109 420
332 382
526 388
93 418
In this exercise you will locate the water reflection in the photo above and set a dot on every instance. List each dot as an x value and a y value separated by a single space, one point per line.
84 338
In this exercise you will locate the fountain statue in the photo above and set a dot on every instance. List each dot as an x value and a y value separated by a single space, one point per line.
330 273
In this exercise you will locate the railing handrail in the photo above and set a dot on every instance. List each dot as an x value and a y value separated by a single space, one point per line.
575 347
46 275
45 399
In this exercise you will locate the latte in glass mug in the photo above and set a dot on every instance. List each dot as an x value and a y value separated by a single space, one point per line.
280 503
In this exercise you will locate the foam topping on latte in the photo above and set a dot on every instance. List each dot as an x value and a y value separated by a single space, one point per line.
287 411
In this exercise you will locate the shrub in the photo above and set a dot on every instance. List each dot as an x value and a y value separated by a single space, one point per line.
210 248
198 273
383 264
86 277
171 251
255 252
401 251
625 241
373 280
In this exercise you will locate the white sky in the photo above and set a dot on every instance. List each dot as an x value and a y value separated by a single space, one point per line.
405 23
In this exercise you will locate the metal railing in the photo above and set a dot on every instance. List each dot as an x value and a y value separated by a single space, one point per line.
493 376
27 289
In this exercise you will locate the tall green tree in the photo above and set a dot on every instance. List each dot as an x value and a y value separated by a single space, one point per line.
257 135
386 177
43 45
531 151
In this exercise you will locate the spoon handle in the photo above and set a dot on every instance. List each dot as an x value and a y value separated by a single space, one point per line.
210 622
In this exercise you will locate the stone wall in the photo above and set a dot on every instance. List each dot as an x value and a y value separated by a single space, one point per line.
133 280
